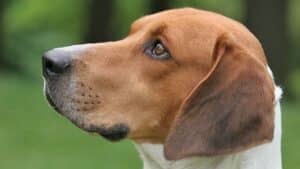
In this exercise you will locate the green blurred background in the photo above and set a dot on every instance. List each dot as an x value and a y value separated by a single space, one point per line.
32 136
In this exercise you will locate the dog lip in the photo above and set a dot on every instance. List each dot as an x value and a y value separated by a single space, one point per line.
50 101
114 133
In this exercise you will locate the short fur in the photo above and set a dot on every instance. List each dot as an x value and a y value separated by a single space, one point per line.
213 97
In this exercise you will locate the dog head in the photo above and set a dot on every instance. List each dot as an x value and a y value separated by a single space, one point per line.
193 80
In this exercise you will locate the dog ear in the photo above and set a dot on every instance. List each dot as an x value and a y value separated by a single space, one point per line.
229 111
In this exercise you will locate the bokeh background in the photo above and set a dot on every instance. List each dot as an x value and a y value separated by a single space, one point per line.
32 136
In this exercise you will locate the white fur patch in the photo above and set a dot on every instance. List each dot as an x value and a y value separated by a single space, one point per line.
278 90
74 48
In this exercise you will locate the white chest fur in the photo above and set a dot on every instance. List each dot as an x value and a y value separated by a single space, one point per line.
266 156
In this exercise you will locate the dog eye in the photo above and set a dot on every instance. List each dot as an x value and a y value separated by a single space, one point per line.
157 51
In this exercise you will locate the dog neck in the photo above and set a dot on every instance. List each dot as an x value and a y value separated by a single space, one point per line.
266 156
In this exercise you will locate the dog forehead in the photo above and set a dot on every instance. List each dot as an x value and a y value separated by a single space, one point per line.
165 15
186 19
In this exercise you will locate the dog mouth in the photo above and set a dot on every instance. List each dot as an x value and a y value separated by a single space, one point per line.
114 133
76 100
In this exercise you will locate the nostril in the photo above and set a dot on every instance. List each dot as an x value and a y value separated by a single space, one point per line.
54 64
49 65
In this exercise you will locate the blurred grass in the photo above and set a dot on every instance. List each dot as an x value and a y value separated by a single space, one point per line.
290 135
32 136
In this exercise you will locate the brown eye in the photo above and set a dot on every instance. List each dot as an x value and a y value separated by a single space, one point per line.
157 51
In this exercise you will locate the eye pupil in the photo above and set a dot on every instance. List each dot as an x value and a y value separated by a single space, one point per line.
159 49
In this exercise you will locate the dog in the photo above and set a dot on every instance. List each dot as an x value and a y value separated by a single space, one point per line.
191 88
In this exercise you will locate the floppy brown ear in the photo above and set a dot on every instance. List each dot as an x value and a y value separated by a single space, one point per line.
229 111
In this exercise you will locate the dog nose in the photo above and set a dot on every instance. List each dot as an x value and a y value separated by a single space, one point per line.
55 63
